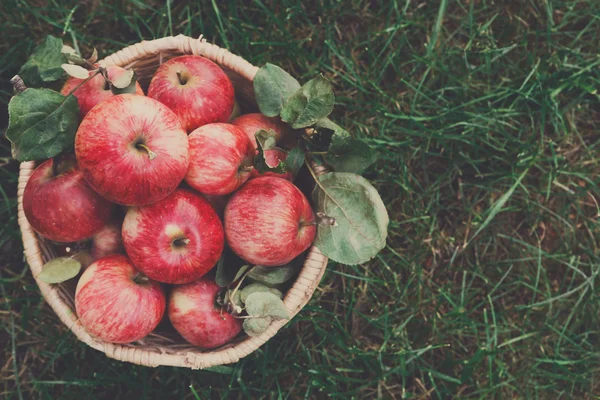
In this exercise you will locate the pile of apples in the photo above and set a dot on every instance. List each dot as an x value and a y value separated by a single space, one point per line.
183 177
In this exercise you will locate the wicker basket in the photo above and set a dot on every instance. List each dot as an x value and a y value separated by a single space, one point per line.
158 348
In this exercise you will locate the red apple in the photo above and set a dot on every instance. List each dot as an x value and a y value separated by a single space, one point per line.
195 88
117 304
193 313
107 241
95 90
269 222
220 159
175 240
62 207
132 150
273 156
251 123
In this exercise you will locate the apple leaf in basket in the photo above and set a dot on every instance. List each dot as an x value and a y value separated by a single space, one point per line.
360 215
41 124
221 277
229 268
59 270
256 326
44 64
258 287
274 275
266 304
266 142
345 153
295 160
272 87
312 102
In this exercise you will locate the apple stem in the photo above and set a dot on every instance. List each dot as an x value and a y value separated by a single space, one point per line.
140 278
182 80
55 163
151 154
246 168
323 219
181 242
241 279
18 84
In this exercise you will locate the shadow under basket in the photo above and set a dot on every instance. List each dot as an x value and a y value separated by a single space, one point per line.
158 348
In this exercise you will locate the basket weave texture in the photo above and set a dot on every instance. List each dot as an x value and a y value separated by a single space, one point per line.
158 348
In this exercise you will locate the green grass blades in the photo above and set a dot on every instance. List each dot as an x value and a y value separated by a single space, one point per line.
485 117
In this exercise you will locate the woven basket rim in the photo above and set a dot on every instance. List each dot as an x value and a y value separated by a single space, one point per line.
296 298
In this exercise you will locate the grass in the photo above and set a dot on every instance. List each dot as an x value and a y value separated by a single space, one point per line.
486 117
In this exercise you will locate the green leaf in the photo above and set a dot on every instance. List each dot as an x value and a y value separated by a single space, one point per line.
76 71
44 64
272 87
256 326
263 304
221 277
240 272
59 270
229 268
274 275
258 287
125 83
312 102
266 142
360 214
345 153
41 124
295 160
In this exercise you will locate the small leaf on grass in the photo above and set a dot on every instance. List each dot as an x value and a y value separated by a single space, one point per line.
360 214
274 275
76 71
41 124
272 87
59 270
345 153
266 142
295 160
258 287
125 83
256 326
312 102
44 63
263 304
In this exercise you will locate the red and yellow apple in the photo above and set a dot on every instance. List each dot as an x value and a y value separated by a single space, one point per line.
95 90
116 303
269 222
63 207
195 88
132 150
221 157
193 313
175 240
